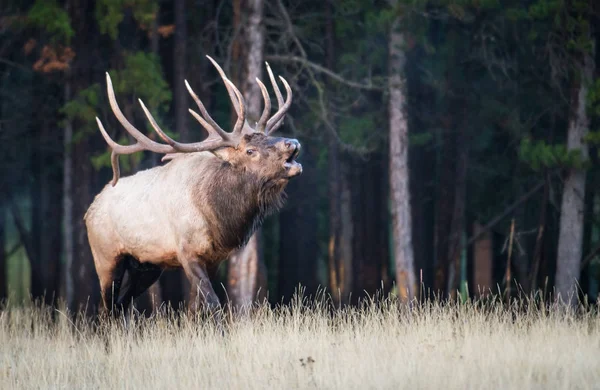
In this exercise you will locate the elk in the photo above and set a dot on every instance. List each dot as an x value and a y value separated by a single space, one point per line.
195 210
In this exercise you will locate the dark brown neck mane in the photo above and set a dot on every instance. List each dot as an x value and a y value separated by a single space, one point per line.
235 203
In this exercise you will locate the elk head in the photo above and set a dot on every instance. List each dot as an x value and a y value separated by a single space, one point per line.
251 150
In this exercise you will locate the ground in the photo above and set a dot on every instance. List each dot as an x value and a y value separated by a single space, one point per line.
380 346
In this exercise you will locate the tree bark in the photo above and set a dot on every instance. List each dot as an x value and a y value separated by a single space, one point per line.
446 172
3 281
539 239
346 259
247 273
457 226
83 287
340 256
570 238
50 212
483 257
370 217
86 286
3 250
179 70
67 218
45 196
399 173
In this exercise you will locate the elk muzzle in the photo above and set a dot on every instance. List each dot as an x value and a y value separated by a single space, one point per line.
292 150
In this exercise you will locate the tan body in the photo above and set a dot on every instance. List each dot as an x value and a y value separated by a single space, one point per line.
193 211
150 223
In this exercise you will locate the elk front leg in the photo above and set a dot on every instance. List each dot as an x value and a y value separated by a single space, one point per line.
201 287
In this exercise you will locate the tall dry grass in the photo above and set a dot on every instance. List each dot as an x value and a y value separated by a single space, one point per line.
377 346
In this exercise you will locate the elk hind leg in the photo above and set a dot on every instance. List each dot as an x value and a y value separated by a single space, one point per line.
147 275
138 277
111 277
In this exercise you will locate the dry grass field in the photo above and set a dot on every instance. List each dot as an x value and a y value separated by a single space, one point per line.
380 346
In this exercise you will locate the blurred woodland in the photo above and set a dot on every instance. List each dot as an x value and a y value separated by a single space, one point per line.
449 146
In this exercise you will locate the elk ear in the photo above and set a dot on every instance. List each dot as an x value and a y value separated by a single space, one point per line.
225 153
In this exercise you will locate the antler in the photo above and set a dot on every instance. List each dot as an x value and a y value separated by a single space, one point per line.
262 125
217 137
277 120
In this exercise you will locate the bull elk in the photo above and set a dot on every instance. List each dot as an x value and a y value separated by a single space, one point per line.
195 210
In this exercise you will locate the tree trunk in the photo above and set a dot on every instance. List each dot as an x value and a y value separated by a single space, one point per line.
539 239
443 208
399 174
570 238
457 226
483 257
45 196
3 240
3 281
340 262
243 273
50 212
36 289
370 217
67 218
84 293
246 268
346 259
179 71
422 166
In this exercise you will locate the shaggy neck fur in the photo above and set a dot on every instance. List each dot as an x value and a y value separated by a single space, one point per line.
235 203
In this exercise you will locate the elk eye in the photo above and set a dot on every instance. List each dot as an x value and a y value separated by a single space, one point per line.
250 152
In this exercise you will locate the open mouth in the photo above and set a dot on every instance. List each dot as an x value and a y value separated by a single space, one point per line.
293 156
291 163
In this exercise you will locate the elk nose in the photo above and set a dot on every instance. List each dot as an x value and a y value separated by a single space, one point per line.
289 143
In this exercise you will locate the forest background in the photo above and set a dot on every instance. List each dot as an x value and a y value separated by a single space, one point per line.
449 147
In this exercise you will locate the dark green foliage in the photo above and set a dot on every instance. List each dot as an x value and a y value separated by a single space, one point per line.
49 16
498 72
110 13
540 156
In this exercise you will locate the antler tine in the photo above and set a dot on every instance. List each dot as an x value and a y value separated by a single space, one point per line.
156 128
233 96
230 90
211 123
275 87
116 150
207 144
144 141
277 120
211 131
239 124
260 125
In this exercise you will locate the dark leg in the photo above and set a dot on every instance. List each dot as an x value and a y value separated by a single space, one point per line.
146 276
201 287
111 286
127 289
138 277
